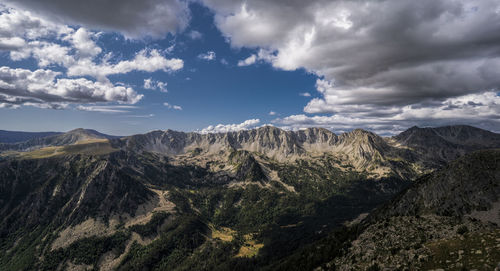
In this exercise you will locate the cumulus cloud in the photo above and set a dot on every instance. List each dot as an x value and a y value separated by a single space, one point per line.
144 60
305 94
134 19
22 86
481 110
83 43
272 113
17 27
262 55
421 51
155 85
208 56
171 106
75 53
224 128
247 61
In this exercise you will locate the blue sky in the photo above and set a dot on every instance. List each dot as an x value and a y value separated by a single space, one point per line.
215 66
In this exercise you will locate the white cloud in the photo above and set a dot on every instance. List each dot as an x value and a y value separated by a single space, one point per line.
76 53
18 27
144 60
50 53
170 106
141 116
11 43
262 55
208 56
83 43
224 128
155 85
41 86
247 61
106 108
272 113
194 35
305 94
480 110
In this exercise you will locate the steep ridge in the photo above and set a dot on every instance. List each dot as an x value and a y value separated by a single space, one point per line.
363 147
437 146
358 148
66 190
471 183
447 219
71 137
406 155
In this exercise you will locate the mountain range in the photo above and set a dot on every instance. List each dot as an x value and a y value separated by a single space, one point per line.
253 199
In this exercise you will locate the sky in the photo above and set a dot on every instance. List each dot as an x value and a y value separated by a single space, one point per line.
124 67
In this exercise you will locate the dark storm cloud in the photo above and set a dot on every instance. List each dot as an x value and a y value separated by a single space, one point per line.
131 17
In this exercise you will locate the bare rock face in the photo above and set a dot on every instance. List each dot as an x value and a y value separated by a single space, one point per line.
410 153
359 148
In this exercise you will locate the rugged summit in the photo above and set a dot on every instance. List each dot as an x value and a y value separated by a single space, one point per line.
412 152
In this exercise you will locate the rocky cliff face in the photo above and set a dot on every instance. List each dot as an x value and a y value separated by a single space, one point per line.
358 148
410 153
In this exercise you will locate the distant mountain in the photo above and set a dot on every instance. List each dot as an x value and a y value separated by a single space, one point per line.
60 139
437 146
15 136
410 153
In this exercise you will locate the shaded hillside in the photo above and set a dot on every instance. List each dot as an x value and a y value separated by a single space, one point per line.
471 183
437 146
448 219
145 209
16 136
